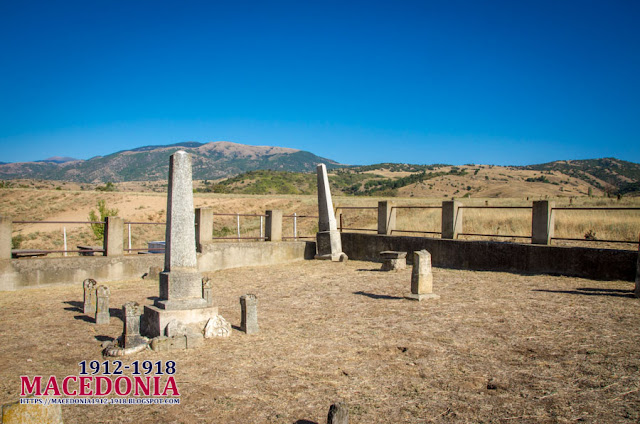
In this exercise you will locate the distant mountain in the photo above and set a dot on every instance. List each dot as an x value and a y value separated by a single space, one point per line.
608 174
58 159
149 163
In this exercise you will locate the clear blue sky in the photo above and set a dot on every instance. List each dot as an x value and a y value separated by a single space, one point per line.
497 82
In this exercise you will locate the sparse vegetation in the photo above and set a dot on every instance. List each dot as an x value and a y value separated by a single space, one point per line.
104 211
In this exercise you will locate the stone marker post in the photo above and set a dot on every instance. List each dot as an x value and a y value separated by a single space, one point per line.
637 289
451 219
89 287
338 414
386 217
542 222
329 244
180 283
422 277
204 227
273 225
249 307
102 305
5 237
113 236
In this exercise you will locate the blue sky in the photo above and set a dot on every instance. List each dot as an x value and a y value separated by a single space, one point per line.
496 82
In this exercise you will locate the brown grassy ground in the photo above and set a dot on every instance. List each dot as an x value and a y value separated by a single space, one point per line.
496 347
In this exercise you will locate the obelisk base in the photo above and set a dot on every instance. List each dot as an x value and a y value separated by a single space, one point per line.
155 320
329 246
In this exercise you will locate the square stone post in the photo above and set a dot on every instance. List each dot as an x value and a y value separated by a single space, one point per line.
637 289
113 236
5 237
273 225
422 277
328 241
204 227
542 222
249 317
386 217
451 219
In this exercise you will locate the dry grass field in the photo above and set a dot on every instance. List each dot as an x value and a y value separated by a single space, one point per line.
68 205
496 348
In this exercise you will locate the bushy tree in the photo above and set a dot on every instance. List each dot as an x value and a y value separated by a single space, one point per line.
104 211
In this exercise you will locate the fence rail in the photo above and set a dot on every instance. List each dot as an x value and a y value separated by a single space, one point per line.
454 221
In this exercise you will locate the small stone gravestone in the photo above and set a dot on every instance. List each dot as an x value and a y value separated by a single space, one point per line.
131 332
102 305
89 286
422 277
249 320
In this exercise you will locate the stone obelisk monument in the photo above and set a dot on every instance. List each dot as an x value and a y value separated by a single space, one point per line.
328 241
181 295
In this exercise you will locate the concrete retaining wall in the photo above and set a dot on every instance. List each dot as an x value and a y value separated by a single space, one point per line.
600 264
35 272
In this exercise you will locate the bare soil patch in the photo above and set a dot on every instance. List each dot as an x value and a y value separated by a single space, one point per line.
496 347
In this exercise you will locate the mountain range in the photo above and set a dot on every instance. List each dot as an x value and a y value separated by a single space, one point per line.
149 163
223 159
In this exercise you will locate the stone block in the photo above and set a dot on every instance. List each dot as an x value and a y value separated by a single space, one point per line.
451 219
155 320
386 217
31 413
338 414
217 327
393 261
542 222
113 236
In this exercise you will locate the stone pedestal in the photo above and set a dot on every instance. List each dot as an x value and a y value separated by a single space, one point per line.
422 277
155 320
329 246
393 261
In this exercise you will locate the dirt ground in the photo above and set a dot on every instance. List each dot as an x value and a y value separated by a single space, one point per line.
496 347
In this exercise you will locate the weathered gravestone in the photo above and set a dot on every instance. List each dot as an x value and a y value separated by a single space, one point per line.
422 277
102 305
249 317
89 287
393 261
329 244
181 292
131 337
338 414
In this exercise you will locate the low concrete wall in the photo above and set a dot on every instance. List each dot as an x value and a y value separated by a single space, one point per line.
35 272
600 264
217 256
